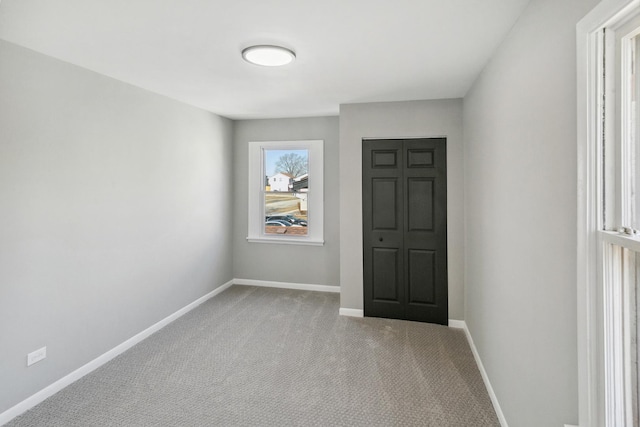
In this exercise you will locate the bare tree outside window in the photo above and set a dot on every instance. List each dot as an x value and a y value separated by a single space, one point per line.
286 192
293 164
285 207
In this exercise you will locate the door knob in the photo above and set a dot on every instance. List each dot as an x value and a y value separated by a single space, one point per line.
381 239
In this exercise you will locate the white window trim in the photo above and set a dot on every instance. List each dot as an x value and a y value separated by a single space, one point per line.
591 242
256 234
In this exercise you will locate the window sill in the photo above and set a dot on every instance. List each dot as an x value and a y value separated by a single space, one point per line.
285 241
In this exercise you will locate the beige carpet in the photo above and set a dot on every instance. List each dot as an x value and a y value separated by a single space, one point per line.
272 357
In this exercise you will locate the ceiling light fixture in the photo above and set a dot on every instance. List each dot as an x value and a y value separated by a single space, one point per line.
268 56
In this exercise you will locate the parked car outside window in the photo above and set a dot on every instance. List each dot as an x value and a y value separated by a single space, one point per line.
288 218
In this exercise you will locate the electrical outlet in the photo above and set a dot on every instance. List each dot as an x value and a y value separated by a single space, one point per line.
36 356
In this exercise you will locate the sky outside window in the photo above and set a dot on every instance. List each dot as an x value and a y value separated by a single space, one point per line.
272 157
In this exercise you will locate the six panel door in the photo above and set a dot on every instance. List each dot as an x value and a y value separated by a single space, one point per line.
405 229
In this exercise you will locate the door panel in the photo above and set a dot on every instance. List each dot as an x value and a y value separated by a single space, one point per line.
384 216
385 159
420 158
385 203
386 277
420 195
404 229
422 276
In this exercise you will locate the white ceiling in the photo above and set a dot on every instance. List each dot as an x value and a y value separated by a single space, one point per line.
348 51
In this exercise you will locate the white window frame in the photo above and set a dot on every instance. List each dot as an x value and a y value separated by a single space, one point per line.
315 198
603 288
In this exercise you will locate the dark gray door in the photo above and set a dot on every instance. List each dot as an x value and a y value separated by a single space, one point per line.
404 192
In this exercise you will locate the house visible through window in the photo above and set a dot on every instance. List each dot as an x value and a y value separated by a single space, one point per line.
286 192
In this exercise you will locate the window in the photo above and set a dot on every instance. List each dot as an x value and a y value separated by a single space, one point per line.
609 208
617 235
286 192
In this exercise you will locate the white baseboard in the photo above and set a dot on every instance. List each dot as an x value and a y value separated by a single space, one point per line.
52 389
351 312
461 324
286 285
457 324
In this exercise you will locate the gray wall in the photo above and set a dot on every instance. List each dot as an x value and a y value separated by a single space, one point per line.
520 204
114 213
396 120
317 265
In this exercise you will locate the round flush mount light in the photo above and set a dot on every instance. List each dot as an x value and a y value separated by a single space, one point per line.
268 56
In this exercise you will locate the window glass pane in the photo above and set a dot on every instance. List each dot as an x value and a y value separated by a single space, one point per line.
625 175
285 192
